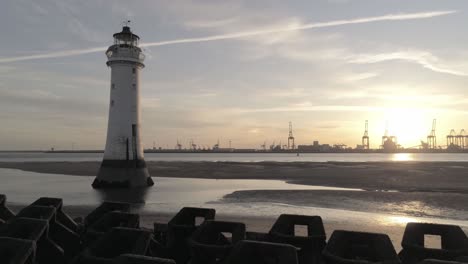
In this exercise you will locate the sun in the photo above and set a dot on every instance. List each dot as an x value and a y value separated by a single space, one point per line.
409 125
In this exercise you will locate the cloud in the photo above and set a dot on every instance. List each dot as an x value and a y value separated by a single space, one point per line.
246 34
360 76
212 24
298 26
58 54
308 107
423 58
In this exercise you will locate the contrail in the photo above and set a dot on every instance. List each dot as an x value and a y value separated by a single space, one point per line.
390 17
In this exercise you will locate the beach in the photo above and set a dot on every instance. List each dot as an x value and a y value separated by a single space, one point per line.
446 177
362 196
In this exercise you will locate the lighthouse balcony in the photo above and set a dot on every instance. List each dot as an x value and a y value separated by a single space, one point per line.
118 53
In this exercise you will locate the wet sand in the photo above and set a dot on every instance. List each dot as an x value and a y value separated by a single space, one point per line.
415 204
401 176
419 189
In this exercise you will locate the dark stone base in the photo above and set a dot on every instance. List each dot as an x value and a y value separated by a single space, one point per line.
122 174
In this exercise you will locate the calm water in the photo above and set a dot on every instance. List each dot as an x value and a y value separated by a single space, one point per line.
245 157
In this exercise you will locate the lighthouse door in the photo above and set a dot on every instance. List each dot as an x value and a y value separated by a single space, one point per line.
134 142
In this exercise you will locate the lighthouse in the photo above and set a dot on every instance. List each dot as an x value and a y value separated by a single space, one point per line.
123 164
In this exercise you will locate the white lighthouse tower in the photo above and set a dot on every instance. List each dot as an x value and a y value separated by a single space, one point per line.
123 165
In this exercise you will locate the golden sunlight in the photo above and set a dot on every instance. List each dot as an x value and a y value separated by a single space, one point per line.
399 220
402 157
409 125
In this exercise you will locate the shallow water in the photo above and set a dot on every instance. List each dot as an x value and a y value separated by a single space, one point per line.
23 187
245 157
171 194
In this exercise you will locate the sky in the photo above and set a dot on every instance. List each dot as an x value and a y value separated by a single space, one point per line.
236 71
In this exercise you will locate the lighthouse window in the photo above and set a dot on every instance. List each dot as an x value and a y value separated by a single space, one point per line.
113 86
133 70
134 86
112 102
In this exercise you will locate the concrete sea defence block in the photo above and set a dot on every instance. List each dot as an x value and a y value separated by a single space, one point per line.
437 261
348 247
213 241
66 239
253 252
17 251
103 209
137 259
453 242
39 212
36 230
181 227
5 213
116 242
310 242
109 221
37 235
61 216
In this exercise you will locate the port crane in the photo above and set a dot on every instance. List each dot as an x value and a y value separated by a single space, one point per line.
451 142
216 146
460 139
272 146
193 146
431 138
263 146
178 145
365 137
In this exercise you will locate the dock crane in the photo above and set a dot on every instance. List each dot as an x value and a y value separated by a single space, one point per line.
216 146
466 141
272 146
291 144
178 146
431 138
193 146
451 142
263 146
460 139
365 137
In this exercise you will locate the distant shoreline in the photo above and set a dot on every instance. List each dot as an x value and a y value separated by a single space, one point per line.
254 151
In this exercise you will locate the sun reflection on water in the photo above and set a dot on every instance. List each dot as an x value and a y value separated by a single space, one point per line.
398 220
402 157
